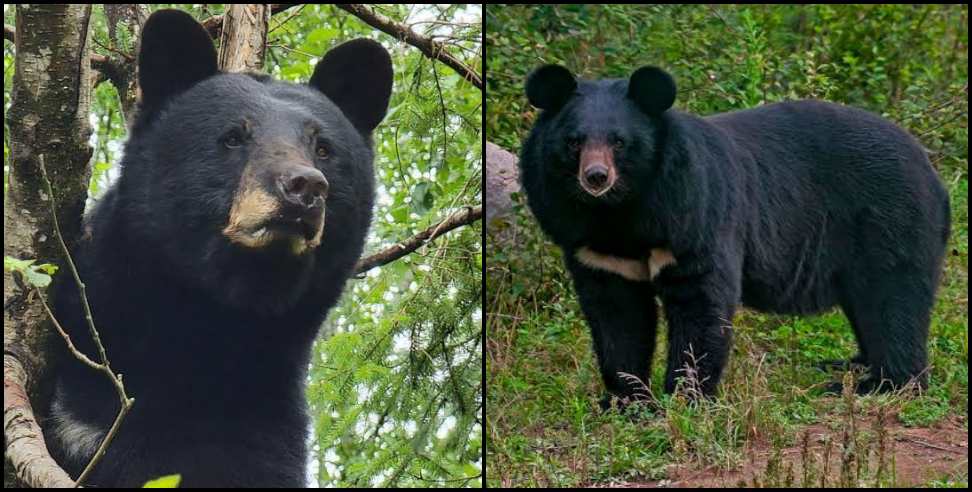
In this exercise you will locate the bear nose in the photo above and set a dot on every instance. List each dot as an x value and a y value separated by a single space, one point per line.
304 186
596 177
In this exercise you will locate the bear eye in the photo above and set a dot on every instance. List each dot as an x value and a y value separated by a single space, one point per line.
233 140
617 143
322 151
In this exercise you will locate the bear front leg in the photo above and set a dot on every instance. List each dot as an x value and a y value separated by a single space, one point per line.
699 336
622 315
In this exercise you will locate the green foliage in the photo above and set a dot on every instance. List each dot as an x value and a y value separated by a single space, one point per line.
36 275
960 482
166 482
922 412
907 62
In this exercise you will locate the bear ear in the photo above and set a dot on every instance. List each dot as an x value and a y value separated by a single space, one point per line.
549 86
357 77
175 53
652 89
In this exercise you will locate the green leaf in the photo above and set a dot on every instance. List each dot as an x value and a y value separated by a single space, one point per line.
36 275
423 197
166 482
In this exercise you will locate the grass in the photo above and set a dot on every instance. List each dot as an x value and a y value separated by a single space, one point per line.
544 427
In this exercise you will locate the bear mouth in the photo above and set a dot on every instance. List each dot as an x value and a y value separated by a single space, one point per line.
298 234
258 221
302 233
287 228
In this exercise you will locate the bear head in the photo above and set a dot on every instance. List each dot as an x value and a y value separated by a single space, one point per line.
249 186
596 138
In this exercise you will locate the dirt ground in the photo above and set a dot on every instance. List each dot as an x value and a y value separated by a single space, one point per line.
919 455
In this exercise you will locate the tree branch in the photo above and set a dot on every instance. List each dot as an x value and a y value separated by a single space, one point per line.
213 25
431 48
25 442
396 251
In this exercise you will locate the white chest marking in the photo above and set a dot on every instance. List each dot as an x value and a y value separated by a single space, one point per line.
659 260
635 270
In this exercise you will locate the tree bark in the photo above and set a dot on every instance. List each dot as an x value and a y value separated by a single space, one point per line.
119 66
48 117
243 41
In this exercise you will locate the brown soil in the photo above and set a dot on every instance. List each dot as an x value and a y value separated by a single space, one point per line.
919 455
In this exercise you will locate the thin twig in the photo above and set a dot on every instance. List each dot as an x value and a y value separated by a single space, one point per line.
105 366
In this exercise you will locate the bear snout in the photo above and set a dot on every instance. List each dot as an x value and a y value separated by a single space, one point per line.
597 173
303 186
279 205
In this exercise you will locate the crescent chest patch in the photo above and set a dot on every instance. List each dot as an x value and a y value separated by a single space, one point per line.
631 269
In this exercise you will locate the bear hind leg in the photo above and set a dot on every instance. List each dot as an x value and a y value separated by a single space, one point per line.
890 317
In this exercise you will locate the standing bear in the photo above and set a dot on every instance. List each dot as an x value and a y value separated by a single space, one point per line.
791 207
241 211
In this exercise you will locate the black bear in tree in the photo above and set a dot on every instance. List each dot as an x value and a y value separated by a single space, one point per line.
241 211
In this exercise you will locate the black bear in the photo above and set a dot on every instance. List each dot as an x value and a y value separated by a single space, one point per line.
241 211
790 208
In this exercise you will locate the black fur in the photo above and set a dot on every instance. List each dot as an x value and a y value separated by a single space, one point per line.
791 208
213 339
